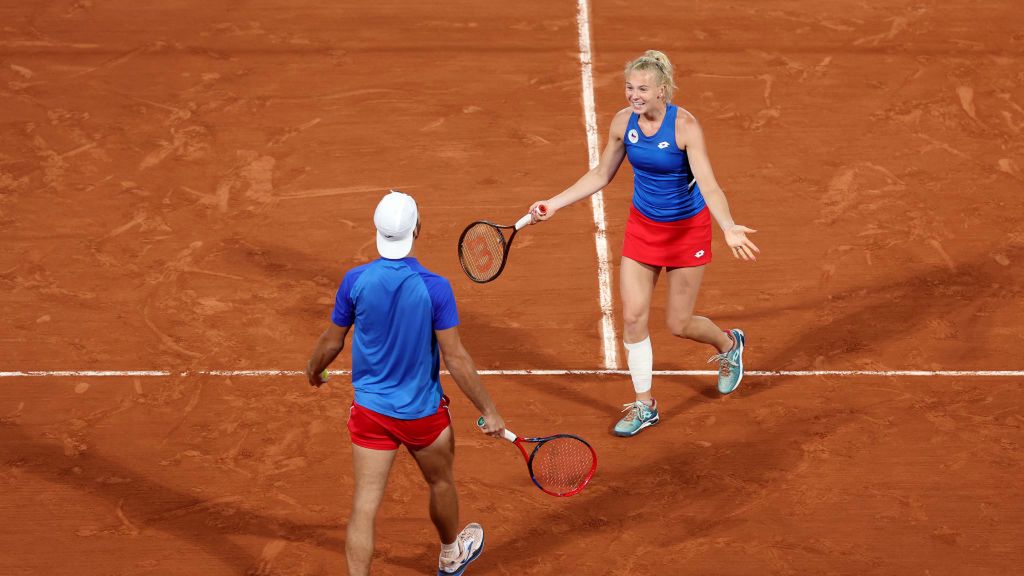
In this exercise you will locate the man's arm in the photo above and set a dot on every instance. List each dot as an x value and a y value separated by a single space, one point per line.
462 369
330 344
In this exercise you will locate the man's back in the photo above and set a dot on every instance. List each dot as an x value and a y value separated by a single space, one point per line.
395 306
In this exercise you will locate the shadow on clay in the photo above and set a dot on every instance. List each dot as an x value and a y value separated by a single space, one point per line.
206 523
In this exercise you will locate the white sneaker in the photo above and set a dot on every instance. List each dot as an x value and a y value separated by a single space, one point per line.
470 543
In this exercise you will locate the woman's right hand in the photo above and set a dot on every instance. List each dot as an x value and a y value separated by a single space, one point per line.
541 211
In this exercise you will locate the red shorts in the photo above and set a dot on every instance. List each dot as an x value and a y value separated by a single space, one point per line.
376 431
680 244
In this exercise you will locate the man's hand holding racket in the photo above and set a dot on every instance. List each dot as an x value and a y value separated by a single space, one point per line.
493 425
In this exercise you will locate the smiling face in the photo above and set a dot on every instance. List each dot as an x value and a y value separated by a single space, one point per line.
643 92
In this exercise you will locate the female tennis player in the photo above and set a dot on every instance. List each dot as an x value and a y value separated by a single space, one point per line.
675 194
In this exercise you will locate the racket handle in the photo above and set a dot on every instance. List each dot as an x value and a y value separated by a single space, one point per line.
508 434
524 221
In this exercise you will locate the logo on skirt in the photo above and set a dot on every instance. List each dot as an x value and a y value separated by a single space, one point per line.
699 254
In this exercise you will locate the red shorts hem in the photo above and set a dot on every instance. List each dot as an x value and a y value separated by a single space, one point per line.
377 431
680 244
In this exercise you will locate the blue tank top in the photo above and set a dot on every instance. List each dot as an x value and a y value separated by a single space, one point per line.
662 177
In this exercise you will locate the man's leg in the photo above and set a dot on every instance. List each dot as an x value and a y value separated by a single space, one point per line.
370 468
458 549
436 462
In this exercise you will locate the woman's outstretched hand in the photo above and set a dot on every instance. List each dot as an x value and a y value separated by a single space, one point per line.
739 244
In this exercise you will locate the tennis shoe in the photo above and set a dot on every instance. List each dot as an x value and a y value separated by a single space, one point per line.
638 416
730 363
471 543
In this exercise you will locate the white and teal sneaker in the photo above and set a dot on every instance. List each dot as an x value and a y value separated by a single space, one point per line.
638 416
471 544
730 364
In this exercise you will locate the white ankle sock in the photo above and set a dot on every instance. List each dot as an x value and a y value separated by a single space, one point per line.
640 359
450 550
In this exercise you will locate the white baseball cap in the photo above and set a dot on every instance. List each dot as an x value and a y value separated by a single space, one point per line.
395 218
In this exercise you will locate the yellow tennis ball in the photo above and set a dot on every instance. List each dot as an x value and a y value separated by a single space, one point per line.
325 375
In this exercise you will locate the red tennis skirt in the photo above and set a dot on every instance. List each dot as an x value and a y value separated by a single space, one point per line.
679 244
377 431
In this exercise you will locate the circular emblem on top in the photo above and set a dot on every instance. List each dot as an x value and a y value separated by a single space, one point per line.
633 137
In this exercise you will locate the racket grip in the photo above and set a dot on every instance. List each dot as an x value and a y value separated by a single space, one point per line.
508 434
524 221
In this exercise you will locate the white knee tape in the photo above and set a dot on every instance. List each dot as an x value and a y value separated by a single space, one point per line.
640 359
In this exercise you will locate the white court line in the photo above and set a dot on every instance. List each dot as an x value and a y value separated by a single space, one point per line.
270 373
97 373
604 270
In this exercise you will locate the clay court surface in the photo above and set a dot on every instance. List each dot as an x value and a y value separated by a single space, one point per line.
181 188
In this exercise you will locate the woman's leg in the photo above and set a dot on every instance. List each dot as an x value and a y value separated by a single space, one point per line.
683 287
636 286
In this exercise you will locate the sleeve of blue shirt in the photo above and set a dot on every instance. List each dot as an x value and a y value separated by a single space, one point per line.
446 314
344 308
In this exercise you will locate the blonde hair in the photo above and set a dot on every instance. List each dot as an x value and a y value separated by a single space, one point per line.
657 64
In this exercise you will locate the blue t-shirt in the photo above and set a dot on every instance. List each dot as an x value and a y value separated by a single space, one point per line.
662 177
395 306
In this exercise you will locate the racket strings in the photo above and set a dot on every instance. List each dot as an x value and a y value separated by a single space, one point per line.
482 251
562 464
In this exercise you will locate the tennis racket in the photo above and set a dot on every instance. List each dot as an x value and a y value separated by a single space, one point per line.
560 465
483 249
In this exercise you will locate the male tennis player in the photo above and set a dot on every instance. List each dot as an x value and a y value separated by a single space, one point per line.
402 312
